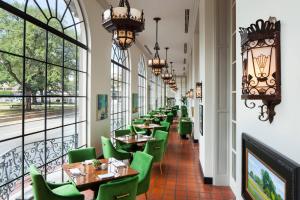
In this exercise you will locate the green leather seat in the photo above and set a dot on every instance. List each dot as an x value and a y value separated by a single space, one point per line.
43 190
170 117
109 151
79 155
162 135
184 112
161 128
137 130
155 148
185 128
122 146
138 121
142 163
166 124
124 189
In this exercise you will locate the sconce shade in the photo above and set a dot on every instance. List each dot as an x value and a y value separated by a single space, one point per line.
261 78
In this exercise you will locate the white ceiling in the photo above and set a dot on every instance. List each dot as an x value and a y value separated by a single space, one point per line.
171 27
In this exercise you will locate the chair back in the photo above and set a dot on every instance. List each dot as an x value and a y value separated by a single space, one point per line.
155 148
155 129
79 155
166 124
120 133
124 189
41 190
185 127
170 117
162 135
142 162
108 148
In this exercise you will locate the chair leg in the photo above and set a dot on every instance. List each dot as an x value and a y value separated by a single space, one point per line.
146 195
160 166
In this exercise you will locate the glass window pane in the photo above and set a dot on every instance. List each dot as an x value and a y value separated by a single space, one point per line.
54 112
11 33
54 80
34 150
69 82
81 134
35 78
10 118
81 84
33 10
81 109
70 138
35 42
69 110
11 75
20 4
35 117
54 144
55 49
70 55
54 171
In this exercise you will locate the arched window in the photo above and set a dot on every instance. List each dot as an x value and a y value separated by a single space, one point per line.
43 76
142 86
152 92
120 82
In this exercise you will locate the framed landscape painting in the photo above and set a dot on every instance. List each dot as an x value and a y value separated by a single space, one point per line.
135 103
102 106
267 175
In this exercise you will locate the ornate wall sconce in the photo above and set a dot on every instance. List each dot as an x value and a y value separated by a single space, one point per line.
261 66
199 90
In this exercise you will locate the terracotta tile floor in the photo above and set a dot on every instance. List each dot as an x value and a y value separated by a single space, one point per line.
181 178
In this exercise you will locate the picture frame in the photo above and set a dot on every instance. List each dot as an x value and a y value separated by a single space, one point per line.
135 103
201 119
102 107
267 173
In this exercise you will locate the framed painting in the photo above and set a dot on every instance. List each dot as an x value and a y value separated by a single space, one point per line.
102 107
135 103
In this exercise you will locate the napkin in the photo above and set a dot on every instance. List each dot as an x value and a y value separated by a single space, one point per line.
75 171
118 163
88 162
104 176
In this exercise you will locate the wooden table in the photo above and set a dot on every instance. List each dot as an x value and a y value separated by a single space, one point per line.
127 139
89 178
161 116
147 128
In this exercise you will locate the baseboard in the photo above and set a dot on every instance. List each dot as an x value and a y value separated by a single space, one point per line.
206 180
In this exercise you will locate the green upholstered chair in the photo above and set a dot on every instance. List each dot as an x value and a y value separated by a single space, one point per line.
166 124
162 135
156 120
124 189
137 130
138 121
43 190
109 151
121 145
79 155
142 162
155 148
161 128
185 128
184 112
170 117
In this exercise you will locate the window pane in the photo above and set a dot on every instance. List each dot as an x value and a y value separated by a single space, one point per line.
35 117
11 33
54 112
10 118
69 110
11 75
70 55
81 109
35 78
54 144
81 84
55 49
69 82
81 134
35 42
70 138
34 150
33 10
54 80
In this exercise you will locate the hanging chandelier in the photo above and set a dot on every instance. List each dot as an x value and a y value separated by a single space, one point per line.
172 81
156 63
123 22
166 76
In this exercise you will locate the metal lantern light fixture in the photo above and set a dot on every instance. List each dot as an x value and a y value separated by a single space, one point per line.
172 81
199 91
166 76
261 66
156 63
123 22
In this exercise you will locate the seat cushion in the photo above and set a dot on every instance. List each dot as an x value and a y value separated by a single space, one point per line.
66 190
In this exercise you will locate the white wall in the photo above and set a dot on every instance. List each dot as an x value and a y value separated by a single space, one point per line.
284 133
100 68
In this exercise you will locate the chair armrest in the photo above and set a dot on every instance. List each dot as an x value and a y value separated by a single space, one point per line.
56 185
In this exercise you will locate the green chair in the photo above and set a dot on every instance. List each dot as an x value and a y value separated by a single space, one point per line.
43 190
184 112
137 130
142 162
162 135
166 124
124 189
155 129
155 148
79 155
170 117
138 121
185 128
109 150
122 146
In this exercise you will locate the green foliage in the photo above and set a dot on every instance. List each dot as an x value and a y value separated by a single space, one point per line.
6 93
11 66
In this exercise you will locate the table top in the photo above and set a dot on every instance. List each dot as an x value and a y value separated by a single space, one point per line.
143 126
89 177
127 139
160 115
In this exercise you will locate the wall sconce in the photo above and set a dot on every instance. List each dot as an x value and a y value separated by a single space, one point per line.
199 90
261 66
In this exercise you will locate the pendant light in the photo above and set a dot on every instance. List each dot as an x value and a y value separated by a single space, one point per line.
123 22
166 76
156 63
